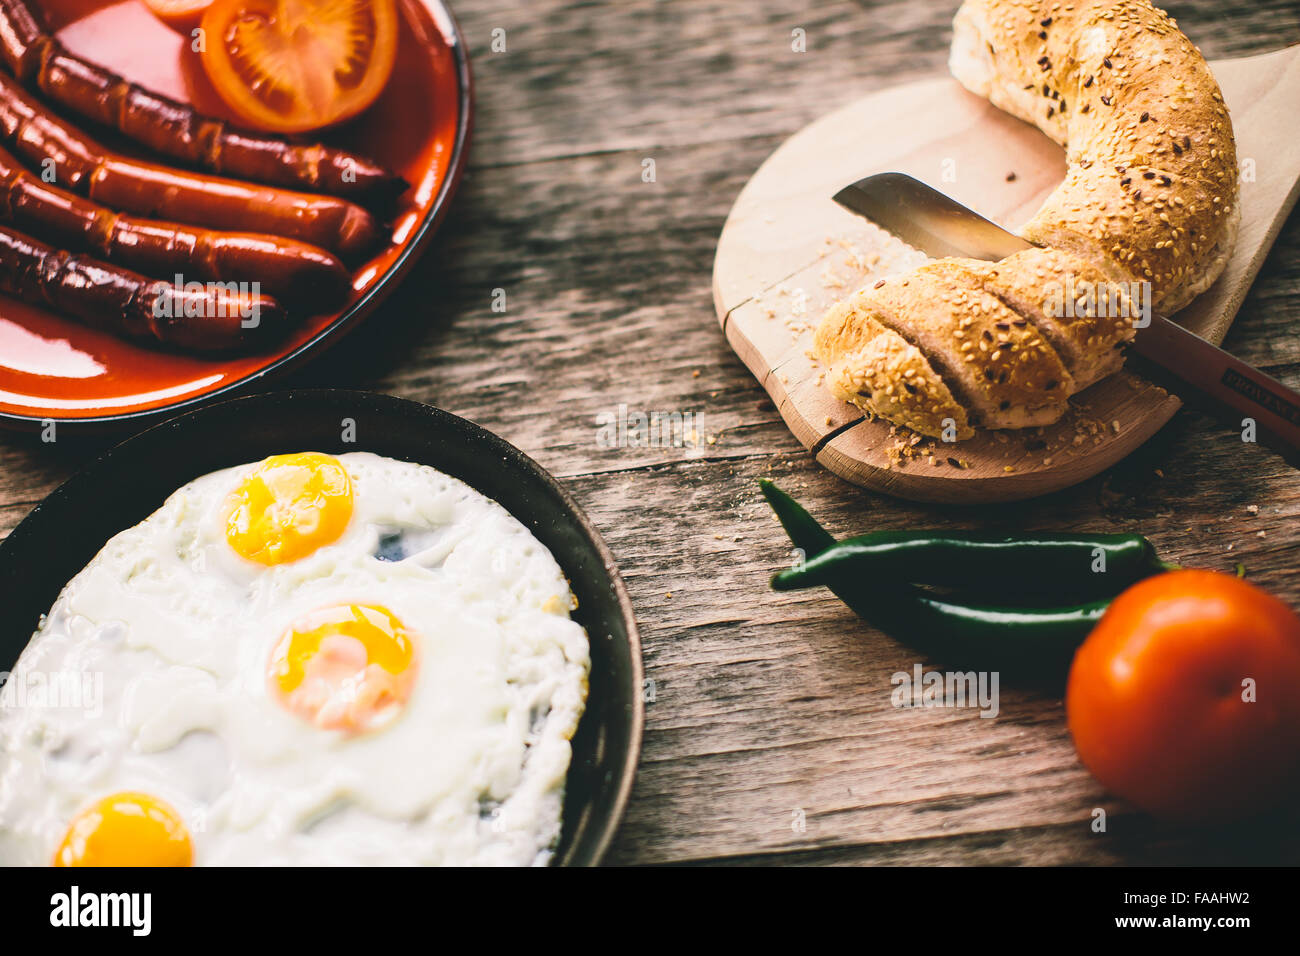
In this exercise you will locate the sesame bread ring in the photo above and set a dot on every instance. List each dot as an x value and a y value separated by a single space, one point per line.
1132 99
1162 106
1148 210
1156 227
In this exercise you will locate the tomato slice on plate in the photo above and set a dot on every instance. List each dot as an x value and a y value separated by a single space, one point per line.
290 66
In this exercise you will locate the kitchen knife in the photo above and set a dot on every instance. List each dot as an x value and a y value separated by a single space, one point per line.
939 226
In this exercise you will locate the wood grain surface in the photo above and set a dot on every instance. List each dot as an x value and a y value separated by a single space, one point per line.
767 708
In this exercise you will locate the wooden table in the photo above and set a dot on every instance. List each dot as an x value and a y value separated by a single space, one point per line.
771 737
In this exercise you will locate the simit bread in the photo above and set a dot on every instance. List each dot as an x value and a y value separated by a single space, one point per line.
1132 99
1148 213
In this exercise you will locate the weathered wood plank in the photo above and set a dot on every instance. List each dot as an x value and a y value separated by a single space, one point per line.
1128 840
582 77
777 703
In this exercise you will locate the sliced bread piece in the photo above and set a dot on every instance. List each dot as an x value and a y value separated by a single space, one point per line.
1006 376
1081 311
877 370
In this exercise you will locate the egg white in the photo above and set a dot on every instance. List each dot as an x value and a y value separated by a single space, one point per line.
178 630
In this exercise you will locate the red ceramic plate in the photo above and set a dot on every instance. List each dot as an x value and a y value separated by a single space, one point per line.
55 369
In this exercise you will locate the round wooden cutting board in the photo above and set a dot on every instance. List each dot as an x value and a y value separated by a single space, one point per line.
788 251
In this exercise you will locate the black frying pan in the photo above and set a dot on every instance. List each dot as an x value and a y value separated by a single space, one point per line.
131 481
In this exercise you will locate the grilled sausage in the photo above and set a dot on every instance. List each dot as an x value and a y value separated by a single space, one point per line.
83 166
108 297
300 274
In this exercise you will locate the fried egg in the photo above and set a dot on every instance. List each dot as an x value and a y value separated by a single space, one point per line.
310 660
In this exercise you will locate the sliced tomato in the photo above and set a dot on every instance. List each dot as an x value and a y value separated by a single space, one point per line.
290 66
183 15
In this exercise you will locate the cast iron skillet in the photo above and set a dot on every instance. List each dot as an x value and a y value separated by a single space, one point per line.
132 480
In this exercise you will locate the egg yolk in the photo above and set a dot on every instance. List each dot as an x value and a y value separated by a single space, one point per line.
126 829
289 506
349 667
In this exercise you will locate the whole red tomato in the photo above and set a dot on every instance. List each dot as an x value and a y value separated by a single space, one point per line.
1185 699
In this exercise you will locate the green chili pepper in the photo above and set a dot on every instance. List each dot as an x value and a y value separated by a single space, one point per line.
803 529
1033 638
1078 565
994 636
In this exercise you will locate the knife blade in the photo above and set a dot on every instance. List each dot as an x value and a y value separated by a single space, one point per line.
1184 362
